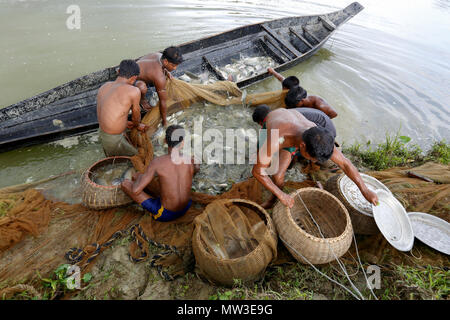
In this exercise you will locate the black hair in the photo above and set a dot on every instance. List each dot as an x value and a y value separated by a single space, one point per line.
260 113
173 55
319 143
290 82
174 135
128 69
294 95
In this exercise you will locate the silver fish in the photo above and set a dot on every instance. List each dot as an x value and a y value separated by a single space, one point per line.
192 75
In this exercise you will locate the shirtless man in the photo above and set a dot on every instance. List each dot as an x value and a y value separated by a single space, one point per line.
154 68
175 173
114 101
316 144
297 97
286 83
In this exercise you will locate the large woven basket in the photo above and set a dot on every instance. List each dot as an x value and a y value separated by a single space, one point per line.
248 268
300 234
96 196
362 223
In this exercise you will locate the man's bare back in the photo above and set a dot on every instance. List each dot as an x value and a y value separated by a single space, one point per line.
114 101
175 173
152 71
175 181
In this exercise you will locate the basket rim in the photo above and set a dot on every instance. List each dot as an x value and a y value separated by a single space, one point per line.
343 235
270 230
88 180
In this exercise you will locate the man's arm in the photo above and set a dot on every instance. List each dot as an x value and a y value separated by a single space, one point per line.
350 170
136 108
319 104
275 74
263 162
162 94
142 86
142 180
195 166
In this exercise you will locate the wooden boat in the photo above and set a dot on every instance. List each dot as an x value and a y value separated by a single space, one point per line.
71 107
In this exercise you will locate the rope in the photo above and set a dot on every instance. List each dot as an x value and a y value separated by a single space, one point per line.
323 274
332 251
5 293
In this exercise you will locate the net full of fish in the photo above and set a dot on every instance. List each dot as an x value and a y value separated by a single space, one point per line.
217 177
113 174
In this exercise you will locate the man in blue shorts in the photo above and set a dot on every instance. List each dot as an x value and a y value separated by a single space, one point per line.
175 172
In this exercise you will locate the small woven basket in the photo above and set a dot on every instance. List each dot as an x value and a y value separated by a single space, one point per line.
362 223
248 268
96 196
301 234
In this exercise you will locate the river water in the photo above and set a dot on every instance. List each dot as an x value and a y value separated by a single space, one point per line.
385 70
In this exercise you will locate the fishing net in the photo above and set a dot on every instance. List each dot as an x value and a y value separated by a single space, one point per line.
38 234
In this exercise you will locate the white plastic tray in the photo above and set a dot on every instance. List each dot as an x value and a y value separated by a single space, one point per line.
393 222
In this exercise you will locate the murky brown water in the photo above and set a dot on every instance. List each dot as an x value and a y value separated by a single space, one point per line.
387 69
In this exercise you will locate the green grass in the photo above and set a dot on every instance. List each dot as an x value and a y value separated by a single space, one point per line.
440 152
425 283
395 151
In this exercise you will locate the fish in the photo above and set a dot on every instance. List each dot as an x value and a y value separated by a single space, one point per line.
116 182
192 75
100 181
185 78
154 99
128 174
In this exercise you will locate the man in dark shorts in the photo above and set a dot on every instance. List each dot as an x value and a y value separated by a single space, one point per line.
175 173
154 70
314 141
114 101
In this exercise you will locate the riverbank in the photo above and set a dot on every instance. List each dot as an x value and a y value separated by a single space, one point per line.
421 274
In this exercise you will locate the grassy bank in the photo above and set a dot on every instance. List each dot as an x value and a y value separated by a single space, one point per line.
396 151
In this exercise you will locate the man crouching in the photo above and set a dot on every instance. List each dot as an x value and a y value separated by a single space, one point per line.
175 173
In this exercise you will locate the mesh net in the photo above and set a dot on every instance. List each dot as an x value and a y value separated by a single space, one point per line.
36 233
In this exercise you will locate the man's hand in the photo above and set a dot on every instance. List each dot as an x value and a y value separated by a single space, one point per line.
135 176
270 70
287 200
371 197
142 127
146 105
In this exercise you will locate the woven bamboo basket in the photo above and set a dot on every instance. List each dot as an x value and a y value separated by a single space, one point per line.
96 196
362 222
300 234
248 268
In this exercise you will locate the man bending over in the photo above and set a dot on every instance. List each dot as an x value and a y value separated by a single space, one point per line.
154 68
315 143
